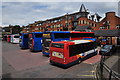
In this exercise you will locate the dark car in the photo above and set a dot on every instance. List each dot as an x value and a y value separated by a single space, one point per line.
107 50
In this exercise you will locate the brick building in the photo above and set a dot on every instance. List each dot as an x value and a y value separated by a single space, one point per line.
67 22
111 21
109 29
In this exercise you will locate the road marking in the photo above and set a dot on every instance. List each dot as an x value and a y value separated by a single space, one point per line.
92 71
86 75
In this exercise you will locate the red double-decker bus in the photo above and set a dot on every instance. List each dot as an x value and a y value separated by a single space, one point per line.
67 53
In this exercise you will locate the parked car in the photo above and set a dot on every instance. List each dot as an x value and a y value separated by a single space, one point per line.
107 50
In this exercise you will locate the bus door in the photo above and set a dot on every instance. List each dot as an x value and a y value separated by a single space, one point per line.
31 41
24 40
37 41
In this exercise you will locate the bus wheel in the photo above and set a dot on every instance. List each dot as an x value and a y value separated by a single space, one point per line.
51 62
79 60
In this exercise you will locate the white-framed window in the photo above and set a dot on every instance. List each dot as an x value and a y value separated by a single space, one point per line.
52 26
118 26
94 25
81 21
87 22
36 28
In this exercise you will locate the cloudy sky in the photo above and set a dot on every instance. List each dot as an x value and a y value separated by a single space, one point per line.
24 13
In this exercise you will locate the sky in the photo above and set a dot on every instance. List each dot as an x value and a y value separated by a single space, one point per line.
24 13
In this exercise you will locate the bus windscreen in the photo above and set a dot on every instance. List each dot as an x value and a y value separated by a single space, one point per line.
47 35
57 45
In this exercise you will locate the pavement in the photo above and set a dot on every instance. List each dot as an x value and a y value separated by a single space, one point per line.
18 63
114 61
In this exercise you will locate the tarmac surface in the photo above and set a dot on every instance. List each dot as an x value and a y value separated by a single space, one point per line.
18 63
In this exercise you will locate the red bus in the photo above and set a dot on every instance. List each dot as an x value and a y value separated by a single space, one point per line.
67 53
8 38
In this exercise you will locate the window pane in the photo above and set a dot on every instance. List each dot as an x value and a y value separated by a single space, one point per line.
37 35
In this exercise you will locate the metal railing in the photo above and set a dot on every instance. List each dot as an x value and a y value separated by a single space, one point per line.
104 72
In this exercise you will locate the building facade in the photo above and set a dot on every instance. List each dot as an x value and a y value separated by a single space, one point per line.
111 21
109 29
67 22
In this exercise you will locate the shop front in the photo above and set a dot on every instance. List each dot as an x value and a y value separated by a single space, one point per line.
110 37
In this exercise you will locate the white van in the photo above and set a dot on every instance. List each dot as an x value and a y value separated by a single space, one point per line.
15 38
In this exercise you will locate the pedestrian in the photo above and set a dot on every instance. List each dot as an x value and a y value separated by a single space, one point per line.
98 49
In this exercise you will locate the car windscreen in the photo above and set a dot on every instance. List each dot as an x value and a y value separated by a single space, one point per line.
57 45
107 46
